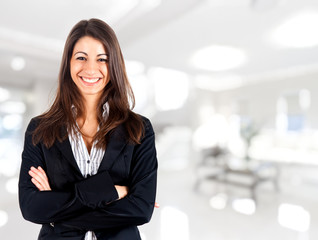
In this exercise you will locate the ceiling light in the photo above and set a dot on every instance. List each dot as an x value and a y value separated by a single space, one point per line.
218 58
219 82
298 31
18 63
4 94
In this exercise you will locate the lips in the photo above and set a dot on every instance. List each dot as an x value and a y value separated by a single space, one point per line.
90 80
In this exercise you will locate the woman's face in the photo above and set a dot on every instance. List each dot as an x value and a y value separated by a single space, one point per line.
88 66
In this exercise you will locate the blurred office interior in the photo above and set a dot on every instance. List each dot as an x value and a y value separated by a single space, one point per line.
230 87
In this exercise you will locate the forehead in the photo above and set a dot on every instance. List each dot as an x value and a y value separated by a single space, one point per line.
89 44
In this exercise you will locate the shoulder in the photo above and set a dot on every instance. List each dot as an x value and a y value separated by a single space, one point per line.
147 125
33 124
146 122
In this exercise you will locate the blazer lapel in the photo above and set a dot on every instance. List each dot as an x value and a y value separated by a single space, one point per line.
115 146
65 149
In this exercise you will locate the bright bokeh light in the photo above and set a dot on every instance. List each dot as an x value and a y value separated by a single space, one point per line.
211 133
281 116
12 122
10 156
18 63
219 201
236 145
298 31
293 217
245 206
3 218
12 185
281 122
218 58
8 167
4 94
174 224
12 107
304 99
139 84
171 88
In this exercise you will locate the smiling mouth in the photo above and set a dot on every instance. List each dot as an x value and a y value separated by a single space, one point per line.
90 80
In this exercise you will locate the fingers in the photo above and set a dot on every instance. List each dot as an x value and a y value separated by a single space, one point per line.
39 178
42 171
122 191
157 205
37 184
38 175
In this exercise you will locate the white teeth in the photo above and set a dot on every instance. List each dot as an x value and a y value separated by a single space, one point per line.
90 80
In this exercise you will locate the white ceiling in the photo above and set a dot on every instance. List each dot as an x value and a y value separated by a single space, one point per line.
162 33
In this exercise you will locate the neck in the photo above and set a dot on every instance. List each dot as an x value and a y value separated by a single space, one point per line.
90 103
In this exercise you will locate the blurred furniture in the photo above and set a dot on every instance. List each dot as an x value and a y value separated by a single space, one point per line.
286 148
225 168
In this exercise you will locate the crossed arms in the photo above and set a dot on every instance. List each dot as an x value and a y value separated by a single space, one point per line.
94 203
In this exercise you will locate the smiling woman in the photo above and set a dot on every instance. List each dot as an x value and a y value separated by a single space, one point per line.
89 165
88 66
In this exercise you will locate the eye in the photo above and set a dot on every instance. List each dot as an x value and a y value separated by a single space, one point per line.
102 60
81 58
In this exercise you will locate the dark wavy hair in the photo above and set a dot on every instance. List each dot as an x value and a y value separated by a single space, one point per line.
118 93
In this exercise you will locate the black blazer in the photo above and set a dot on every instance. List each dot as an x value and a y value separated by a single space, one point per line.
75 204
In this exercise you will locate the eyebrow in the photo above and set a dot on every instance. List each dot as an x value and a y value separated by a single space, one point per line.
102 54
87 54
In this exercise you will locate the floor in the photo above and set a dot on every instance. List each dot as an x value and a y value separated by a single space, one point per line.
212 211
217 211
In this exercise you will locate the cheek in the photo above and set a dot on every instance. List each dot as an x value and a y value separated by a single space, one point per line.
74 68
105 71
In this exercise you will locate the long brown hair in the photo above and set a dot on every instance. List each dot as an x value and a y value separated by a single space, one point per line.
118 93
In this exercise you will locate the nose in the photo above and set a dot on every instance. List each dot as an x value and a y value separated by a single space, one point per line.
90 67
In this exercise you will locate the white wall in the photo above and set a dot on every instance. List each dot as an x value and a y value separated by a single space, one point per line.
261 98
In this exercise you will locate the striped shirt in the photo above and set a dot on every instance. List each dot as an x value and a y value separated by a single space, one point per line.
88 163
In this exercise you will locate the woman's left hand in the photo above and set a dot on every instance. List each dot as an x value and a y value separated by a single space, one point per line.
39 179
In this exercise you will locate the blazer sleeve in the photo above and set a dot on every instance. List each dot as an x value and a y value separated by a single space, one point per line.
137 207
51 206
